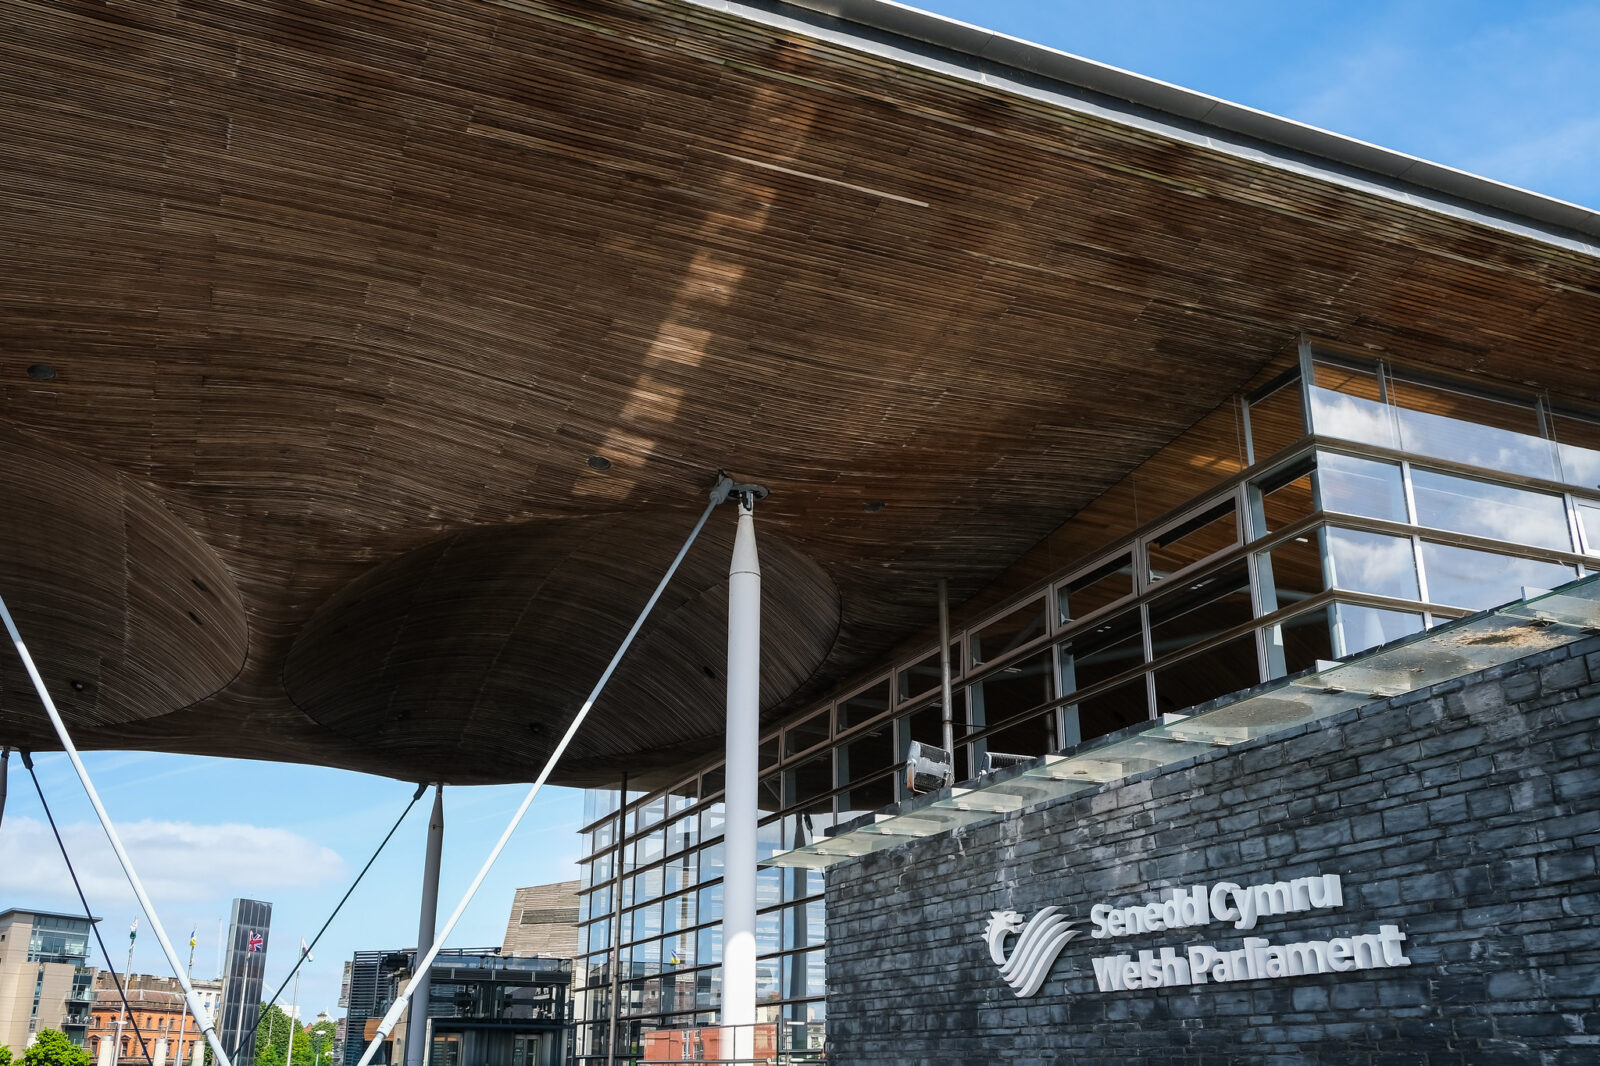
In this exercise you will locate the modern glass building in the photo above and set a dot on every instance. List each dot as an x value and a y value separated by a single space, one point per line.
46 981
1340 503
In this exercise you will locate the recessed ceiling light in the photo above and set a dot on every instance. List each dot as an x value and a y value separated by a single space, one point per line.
42 372
874 507
599 462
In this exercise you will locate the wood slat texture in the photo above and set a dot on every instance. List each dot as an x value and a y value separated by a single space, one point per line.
343 287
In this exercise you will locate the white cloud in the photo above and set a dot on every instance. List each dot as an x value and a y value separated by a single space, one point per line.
178 861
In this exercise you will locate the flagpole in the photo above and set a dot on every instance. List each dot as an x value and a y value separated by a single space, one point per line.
127 973
183 1023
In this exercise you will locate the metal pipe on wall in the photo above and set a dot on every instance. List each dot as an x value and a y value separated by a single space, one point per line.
947 690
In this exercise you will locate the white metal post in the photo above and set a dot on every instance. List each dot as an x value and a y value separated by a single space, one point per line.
742 772
427 922
294 1019
127 986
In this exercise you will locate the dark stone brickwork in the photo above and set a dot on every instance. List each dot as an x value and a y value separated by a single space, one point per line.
1467 814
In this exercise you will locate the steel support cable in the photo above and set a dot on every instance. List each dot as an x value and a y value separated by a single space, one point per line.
302 959
719 494
27 761
202 1016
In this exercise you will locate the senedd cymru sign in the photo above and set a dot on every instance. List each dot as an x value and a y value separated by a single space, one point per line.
1043 937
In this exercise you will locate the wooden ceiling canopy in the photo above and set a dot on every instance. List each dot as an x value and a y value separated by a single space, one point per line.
340 298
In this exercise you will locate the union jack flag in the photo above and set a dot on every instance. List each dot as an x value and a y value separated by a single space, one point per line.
256 940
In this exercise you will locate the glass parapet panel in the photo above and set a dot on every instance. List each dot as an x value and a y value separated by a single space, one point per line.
1452 650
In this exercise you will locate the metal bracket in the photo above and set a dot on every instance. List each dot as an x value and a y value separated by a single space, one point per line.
726 487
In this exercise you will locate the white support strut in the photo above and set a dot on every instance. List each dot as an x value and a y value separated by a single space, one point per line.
740 782
392 1017
202 1016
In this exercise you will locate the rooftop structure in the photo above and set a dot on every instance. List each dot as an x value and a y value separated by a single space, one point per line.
45 979
318 330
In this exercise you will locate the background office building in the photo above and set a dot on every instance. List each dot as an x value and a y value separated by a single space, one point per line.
45 979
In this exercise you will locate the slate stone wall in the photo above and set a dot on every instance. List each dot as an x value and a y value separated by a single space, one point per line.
1467 814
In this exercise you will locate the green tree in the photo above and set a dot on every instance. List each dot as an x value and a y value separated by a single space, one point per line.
322 1035
272 1039
5 1055
52 1048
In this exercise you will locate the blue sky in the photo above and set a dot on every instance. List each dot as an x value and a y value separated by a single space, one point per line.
1502 89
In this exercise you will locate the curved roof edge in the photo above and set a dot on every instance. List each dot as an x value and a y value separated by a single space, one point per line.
918 38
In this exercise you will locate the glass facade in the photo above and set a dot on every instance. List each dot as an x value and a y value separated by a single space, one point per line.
1378 503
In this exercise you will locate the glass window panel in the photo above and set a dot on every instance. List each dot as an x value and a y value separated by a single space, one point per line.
1020 627
1478 580
769 886
866 797
1277 420
646 922
807 826
1365 487
1017 687
1477 430
1108 712
768 927
799 883
1200 608
682 833
867 704
711 819
648 885
678 913
925 725
769 838
599 802
767 980
652 812
1105 650
799 970
1032 736
1358 628
806 781
804 925
651 846
866 754
711 782
769 794
709 901
708 983
1291 571
1346 403
1374 563
1578 448
768 752
1297 643
1215 672
1282 498
1500 512
1589 516
1192 540
806 734
711 862
1085 594
926 674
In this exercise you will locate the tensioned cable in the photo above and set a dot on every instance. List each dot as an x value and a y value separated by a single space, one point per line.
27 761
719 494
421 788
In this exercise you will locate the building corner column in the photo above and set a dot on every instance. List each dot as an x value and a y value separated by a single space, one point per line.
741 776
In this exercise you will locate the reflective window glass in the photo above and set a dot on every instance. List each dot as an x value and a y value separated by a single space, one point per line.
866 797
1478 580
1031 736
1466 428
808 780
1578 448
1589 517
1367 487
866 753
1108 712
1105 650
1291 571
1081 596
1006 634
1500 512
1018 687
1199 608
1277 420
804 924
1215 672
1346 402
1297 643
1358 628
926 674
806 734
1374 563
768 752
1282 499
925 725
1195 538
864 705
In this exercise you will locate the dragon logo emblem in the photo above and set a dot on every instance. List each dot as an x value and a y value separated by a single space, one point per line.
1039 941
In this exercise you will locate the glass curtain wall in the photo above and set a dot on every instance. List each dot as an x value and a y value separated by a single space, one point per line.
1378 503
